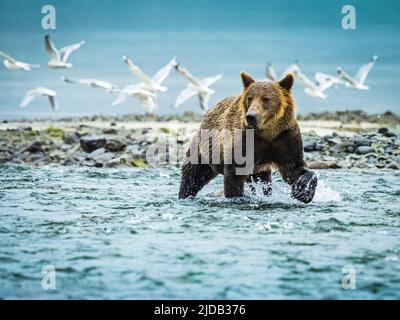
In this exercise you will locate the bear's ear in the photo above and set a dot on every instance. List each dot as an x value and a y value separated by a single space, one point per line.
246 79
287 82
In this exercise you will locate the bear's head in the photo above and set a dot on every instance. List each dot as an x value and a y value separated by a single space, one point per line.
266 102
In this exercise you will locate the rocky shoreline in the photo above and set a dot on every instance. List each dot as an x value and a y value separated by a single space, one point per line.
104 141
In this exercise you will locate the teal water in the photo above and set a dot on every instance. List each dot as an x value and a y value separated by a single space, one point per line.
115 233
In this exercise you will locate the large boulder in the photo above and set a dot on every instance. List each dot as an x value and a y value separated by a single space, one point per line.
89 144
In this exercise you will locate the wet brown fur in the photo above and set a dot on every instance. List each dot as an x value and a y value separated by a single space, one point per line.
277 137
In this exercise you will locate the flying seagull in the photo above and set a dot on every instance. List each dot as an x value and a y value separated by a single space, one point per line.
12 64
322 83
151 84
199 87
59 57
145 97
40 91
92 83
358 81
271 74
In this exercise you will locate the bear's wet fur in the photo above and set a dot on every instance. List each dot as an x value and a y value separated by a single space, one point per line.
268 108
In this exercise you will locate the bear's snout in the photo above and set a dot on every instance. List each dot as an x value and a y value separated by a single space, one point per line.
251 119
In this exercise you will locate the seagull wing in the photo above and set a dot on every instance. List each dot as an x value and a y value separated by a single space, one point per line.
186 74
362 73
147 101
51 48
40 91
53 102
184 95
66 51
204 97
120 99
293 68
163 73
97 83
305 81
5 56
136 70
270 72
28 98
325 81
346 77
208 81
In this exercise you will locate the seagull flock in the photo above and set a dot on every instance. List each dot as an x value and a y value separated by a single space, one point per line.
324 81
146 90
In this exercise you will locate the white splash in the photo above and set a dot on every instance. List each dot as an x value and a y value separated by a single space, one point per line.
281 193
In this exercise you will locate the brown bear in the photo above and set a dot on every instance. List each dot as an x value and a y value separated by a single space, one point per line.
266 109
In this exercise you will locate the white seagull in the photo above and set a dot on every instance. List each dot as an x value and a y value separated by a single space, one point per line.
109 87
317 88
145 97
271 74
358 81
12 64
196 86
151 84
59 57
40 91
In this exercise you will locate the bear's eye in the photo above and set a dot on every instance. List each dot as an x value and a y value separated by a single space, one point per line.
265 102
249 100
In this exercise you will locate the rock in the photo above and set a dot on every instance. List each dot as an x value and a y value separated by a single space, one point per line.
105 157
359 141
109 131
319 164
383 130
351 149
115 145
34 147
320 147
334 141
364 150
36 157
112 163
390 134
92 143
71 138
113 124
309 146
393 165
94 154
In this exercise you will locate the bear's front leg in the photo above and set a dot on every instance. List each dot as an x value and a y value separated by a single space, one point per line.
233 184
303 188
303 182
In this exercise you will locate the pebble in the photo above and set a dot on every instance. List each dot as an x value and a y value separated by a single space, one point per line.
364 150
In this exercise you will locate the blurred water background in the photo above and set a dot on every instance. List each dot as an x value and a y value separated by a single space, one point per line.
207 37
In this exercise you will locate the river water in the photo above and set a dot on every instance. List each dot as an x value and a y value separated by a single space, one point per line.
122 233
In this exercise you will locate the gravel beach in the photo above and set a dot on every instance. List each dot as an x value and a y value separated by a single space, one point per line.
331 140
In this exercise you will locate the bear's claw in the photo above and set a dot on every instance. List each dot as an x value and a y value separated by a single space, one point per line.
303 188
